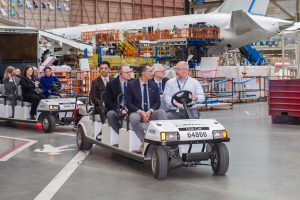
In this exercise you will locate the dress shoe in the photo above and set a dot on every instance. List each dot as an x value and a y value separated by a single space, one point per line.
140 149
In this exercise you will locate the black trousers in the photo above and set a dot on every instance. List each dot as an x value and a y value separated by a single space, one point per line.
34 99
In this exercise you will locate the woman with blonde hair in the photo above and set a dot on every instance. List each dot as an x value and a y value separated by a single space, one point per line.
9 81
10 86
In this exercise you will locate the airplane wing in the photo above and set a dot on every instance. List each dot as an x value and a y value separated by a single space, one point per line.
241 23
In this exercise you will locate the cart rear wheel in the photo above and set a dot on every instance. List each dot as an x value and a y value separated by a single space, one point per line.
219 159
48 123
159 163
81 141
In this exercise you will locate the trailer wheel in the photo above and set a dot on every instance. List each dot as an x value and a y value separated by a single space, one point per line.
159 163
81 141
219 159
48 123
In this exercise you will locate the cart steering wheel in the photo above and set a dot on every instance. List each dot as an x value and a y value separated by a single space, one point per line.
182 97
56 87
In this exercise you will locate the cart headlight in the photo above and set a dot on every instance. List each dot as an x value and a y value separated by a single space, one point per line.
169 136
52 107
220 134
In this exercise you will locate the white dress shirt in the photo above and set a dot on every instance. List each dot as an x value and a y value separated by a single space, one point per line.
105 80
189 84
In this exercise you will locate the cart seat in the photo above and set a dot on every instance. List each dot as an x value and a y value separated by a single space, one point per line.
97 117
124 124
1 88
27 104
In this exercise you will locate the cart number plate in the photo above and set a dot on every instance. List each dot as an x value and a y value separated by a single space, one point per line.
197 134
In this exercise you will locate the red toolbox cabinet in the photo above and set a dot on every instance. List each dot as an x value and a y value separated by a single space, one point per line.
284 98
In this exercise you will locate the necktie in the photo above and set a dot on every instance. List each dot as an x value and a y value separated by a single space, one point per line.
125 88
160 88
145 98
124 92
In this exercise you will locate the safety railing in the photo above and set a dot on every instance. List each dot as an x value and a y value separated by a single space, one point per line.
103 36
193 33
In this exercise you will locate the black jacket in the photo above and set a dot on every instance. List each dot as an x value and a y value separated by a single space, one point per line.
113 90
134 96
164 81
97 88
28 86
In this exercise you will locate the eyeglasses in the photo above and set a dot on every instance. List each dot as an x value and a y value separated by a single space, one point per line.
180 69
126 72
103 67
161 71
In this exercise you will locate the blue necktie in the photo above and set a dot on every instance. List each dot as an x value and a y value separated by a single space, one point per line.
145 98
160 88
125 88
124 92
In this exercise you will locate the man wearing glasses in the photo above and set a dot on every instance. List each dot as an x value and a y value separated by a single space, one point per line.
159 77
115 111
182 82
98 87
143 102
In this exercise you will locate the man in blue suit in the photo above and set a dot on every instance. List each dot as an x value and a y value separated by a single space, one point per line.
143 102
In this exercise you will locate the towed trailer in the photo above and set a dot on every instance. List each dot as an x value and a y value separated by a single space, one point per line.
50 112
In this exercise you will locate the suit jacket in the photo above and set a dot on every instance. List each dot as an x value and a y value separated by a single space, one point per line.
97 88
164 81
134 96
113 90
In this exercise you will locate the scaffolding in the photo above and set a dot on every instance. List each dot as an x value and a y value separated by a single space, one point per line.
158 44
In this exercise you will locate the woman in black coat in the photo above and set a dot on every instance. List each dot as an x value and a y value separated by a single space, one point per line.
29 86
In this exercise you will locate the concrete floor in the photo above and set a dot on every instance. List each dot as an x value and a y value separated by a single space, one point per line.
264 164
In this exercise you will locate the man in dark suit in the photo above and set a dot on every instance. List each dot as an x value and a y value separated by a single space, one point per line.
113 89
143 102
98 88
159 77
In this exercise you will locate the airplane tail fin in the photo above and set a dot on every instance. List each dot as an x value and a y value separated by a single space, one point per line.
241 22
255 7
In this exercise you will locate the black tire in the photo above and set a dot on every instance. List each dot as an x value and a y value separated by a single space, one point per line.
160 163
48 123
81 141
219 159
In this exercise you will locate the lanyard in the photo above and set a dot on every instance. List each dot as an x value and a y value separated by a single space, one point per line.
183 84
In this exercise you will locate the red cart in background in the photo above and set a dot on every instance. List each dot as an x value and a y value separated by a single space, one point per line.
284 100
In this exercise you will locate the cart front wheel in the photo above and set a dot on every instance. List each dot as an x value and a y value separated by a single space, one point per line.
219 159
159 163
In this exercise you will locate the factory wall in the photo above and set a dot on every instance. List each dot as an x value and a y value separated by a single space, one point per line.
96 11
40 14
49 14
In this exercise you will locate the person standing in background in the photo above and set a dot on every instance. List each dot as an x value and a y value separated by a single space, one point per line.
159 77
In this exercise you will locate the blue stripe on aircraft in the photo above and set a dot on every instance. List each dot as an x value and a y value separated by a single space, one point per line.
251 6
250 9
